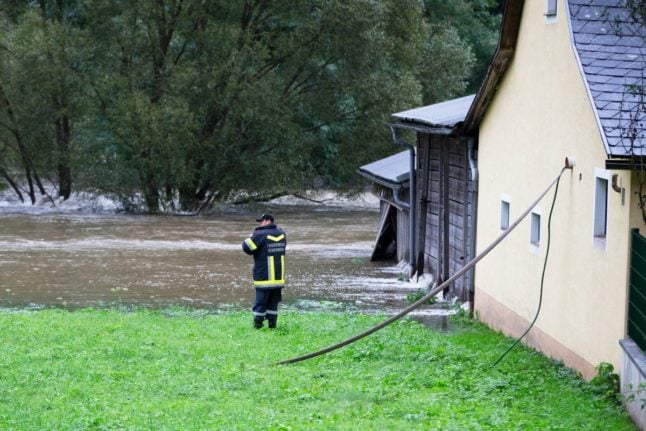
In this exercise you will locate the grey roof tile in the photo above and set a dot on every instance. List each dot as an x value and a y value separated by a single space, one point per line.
604 39
618 73
636 73
610 97
597 54
637 51
630 41
611 124
616 51
606 63
610 106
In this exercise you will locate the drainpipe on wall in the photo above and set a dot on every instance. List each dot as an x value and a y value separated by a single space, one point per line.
471 242
411 200
397 199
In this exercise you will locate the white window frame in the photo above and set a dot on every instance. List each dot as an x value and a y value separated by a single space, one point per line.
600 208
535 230
505 212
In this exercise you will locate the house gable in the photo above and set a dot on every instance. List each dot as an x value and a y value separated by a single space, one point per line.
610 47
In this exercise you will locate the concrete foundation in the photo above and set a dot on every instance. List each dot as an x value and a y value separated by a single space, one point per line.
633 381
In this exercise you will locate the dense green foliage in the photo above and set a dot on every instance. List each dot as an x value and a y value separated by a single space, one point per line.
183 102
177 369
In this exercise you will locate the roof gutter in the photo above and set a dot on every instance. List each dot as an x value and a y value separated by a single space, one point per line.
382 181
626 164
423 128
411 197
472 214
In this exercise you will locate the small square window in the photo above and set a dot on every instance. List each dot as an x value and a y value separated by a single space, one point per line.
550 8
535 230
504 215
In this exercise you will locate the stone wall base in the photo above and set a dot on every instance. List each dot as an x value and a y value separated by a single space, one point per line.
633 374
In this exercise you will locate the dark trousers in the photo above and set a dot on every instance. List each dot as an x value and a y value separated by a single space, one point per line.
266 305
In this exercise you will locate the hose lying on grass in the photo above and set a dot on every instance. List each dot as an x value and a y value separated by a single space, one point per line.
434 291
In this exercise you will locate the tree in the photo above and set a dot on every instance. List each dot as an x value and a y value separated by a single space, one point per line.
40 93
475 23
266 95
173 104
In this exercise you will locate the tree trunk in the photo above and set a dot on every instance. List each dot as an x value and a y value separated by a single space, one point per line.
63 146
21 149
151 194
13 184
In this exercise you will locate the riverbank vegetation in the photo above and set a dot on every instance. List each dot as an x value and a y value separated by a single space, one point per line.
179 369
175 104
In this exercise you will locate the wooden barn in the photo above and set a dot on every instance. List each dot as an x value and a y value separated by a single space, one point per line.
390 177
445 191
443 199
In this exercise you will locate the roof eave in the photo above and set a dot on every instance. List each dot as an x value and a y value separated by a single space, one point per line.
383 181
502 58
422 128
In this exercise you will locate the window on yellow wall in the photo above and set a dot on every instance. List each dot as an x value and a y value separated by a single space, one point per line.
535 230
504 215
550 8
600 223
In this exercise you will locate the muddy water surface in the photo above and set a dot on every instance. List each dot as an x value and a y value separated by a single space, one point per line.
89 260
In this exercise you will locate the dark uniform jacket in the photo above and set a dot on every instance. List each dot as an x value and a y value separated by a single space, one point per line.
267 245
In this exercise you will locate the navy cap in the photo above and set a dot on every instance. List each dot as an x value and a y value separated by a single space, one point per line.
265 216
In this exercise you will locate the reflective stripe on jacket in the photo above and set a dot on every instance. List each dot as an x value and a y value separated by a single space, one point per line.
267 246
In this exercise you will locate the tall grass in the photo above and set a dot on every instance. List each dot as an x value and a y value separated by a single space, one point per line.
184 370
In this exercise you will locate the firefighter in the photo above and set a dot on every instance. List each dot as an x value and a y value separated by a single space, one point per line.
267 245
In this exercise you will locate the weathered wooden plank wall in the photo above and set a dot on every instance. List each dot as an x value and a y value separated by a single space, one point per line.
443 190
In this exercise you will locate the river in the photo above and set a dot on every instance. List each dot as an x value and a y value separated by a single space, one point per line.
75 260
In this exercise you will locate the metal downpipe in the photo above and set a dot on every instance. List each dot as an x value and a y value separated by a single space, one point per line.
473 211
411 199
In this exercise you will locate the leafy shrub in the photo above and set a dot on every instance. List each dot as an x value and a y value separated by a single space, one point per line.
606 382
419 294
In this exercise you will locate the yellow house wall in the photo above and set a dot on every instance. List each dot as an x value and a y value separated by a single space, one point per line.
540 114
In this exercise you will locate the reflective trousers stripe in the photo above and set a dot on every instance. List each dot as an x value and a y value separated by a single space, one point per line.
272 268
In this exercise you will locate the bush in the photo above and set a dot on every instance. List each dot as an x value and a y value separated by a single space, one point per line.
606 382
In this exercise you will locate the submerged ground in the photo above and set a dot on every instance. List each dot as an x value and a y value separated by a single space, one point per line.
76 259
191 370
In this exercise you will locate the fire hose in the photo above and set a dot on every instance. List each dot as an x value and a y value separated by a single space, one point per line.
569 164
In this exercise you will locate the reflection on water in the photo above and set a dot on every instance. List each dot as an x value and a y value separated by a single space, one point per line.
90 260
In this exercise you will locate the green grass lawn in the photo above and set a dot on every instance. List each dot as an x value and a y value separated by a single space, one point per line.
189 370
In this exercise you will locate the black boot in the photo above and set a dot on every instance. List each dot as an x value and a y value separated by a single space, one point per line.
257 321
272 321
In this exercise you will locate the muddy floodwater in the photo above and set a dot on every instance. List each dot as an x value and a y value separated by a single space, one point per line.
105 260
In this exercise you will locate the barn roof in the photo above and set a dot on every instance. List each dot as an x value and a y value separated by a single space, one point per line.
445 114
392 170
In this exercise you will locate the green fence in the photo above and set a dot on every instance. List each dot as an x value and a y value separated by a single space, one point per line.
637 298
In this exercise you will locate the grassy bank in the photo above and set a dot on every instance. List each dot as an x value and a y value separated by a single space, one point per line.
181 370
